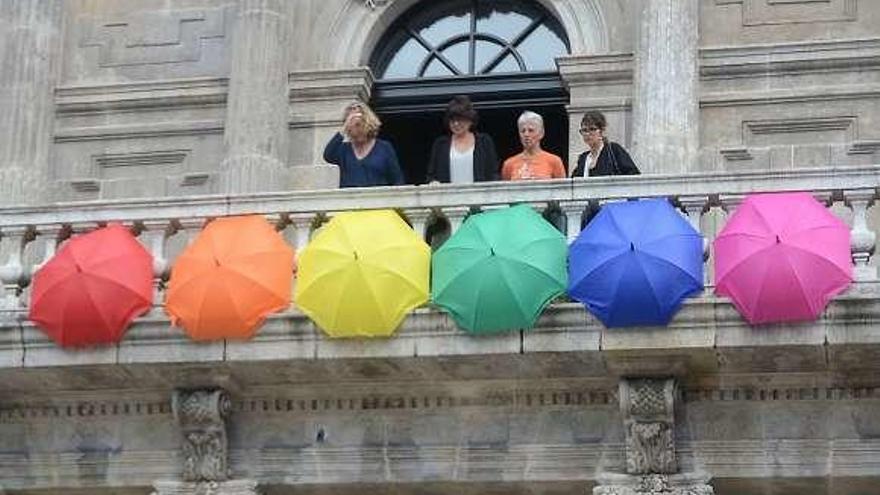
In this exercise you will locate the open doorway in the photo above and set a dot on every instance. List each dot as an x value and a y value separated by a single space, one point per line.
413 133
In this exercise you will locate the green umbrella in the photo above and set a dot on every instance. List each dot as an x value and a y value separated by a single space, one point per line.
499 270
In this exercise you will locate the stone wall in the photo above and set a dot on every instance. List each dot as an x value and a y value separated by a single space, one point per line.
141 97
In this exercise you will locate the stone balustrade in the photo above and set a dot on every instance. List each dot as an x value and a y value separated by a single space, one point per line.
31 235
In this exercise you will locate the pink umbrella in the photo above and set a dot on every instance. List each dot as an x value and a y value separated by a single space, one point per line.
781 257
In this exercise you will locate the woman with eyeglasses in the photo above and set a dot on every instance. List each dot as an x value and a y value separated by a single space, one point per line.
464 156
603 157
362 158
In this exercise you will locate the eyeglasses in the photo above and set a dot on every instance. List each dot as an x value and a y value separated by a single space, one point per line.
587 130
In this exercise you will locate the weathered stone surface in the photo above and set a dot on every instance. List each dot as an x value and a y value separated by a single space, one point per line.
30 56
666 121
235 487
202 416
256 116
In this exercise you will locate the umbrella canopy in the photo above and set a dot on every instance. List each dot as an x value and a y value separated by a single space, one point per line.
635 263
234 274
781 257
499 270
90 291
362 273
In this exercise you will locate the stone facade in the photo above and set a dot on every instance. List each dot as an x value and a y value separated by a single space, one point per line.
150 106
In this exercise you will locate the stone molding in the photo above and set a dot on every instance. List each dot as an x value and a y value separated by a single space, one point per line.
614 68
763 60
647 409
149 38
170 95
550 397
202 416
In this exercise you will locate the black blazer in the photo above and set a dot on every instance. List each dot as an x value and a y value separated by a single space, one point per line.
613 160
485 159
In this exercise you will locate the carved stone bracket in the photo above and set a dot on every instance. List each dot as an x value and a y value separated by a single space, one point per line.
202 415
646 406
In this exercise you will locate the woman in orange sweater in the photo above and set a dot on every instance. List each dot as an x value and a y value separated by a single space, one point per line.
532 162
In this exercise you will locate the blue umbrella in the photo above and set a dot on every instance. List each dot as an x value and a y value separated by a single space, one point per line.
635 263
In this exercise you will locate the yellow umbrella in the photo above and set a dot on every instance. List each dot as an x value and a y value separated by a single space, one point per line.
362 273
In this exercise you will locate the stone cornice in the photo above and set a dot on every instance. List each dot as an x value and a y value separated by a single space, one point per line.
330 84
707 336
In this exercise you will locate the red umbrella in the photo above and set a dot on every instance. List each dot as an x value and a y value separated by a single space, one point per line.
89 292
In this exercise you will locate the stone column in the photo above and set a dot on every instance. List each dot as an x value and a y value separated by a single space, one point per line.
29 53
666 113
255 134
647 406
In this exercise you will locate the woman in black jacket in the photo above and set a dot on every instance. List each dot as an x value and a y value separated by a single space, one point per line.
603 157
464 156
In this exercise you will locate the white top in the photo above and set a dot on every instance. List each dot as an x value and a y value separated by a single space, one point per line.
590 162
461 165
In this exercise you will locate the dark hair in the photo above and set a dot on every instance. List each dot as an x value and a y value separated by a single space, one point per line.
462 108
594 118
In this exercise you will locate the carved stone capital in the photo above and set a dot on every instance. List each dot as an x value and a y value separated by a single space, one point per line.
646 406
237 487
202 415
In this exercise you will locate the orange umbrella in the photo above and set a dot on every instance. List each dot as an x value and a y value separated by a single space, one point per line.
235 273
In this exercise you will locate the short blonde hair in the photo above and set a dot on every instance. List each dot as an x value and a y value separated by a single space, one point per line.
372 124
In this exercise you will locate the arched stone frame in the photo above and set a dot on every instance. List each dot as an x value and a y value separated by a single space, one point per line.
585 25
362 27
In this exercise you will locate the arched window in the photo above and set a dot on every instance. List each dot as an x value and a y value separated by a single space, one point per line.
502 53
471 37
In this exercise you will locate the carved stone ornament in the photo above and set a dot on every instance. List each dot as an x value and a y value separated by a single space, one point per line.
202 415
373 4
655 484
646 406
236 487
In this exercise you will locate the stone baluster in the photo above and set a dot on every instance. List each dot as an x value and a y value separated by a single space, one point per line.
184 232
574 216
30 54
455 215
863 240
418 218
256 131
730 202
154 236
693 208
12 271
666 115
302 224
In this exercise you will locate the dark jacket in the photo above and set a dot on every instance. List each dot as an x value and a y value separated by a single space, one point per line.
379 168
613 160
485 159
